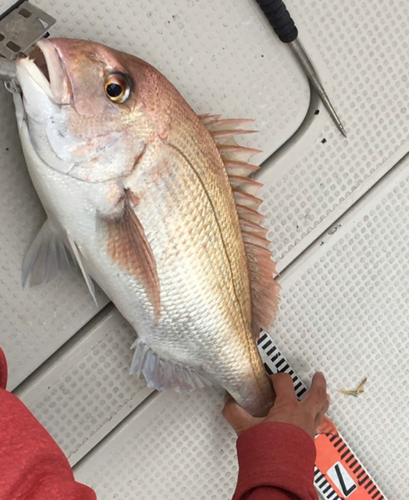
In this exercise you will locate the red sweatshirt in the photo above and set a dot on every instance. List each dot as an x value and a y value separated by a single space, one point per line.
276 461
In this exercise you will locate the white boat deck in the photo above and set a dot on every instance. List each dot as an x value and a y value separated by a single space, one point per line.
338 217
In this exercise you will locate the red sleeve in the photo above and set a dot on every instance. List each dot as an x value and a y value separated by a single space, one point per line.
276 462
32 466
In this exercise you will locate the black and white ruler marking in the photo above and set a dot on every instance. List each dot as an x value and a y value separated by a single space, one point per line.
338 473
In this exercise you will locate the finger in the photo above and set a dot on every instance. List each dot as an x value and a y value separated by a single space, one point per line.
322 412
327 427
316 397
237 417
283 387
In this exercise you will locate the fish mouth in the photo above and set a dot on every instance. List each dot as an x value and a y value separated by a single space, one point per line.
46 69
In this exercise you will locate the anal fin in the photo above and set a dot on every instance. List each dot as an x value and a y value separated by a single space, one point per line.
161 374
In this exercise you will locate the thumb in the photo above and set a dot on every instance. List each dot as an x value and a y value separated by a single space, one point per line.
237 417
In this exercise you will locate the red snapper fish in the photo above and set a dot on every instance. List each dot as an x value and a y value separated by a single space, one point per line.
155 204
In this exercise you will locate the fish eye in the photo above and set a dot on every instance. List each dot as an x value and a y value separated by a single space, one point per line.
117 88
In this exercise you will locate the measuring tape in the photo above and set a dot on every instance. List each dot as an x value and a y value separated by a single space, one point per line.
338 473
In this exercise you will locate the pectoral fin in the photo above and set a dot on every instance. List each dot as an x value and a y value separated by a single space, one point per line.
46 258
129 248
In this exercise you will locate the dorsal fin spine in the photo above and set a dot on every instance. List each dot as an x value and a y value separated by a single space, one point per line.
261 268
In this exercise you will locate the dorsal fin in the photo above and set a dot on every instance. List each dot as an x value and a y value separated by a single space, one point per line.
213 123
249 214
244 184
240 168
264 288
251 228
208 118
236 153
228 133
246 200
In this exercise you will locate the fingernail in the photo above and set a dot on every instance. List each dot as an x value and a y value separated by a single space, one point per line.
328 398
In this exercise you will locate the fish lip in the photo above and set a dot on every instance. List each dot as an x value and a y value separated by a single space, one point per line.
56 86
59 82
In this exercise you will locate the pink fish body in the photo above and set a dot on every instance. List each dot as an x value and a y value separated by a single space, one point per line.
156 205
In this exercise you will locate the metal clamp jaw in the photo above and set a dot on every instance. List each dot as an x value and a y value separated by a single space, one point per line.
20 28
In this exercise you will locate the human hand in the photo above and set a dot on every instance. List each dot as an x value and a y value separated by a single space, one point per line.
306 414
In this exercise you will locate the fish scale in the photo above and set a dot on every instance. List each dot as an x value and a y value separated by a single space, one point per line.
175 206
178 209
